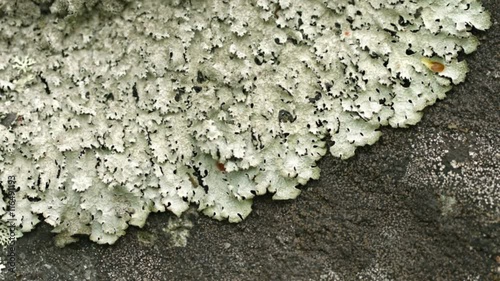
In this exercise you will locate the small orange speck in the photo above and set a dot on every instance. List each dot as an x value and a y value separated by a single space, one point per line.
433 65
221 167
437 67
347 33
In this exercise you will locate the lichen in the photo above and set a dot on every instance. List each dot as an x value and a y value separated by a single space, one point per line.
129 107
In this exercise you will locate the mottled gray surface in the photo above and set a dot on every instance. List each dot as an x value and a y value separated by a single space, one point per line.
414 206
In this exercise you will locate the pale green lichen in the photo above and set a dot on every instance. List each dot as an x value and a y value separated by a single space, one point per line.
178 231
130 107
146 237
4 235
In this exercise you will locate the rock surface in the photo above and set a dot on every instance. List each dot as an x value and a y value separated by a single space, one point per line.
409 207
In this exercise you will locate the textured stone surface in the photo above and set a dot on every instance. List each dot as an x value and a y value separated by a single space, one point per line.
395 210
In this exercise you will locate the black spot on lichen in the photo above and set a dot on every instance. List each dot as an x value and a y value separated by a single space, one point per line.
285 116
135 94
